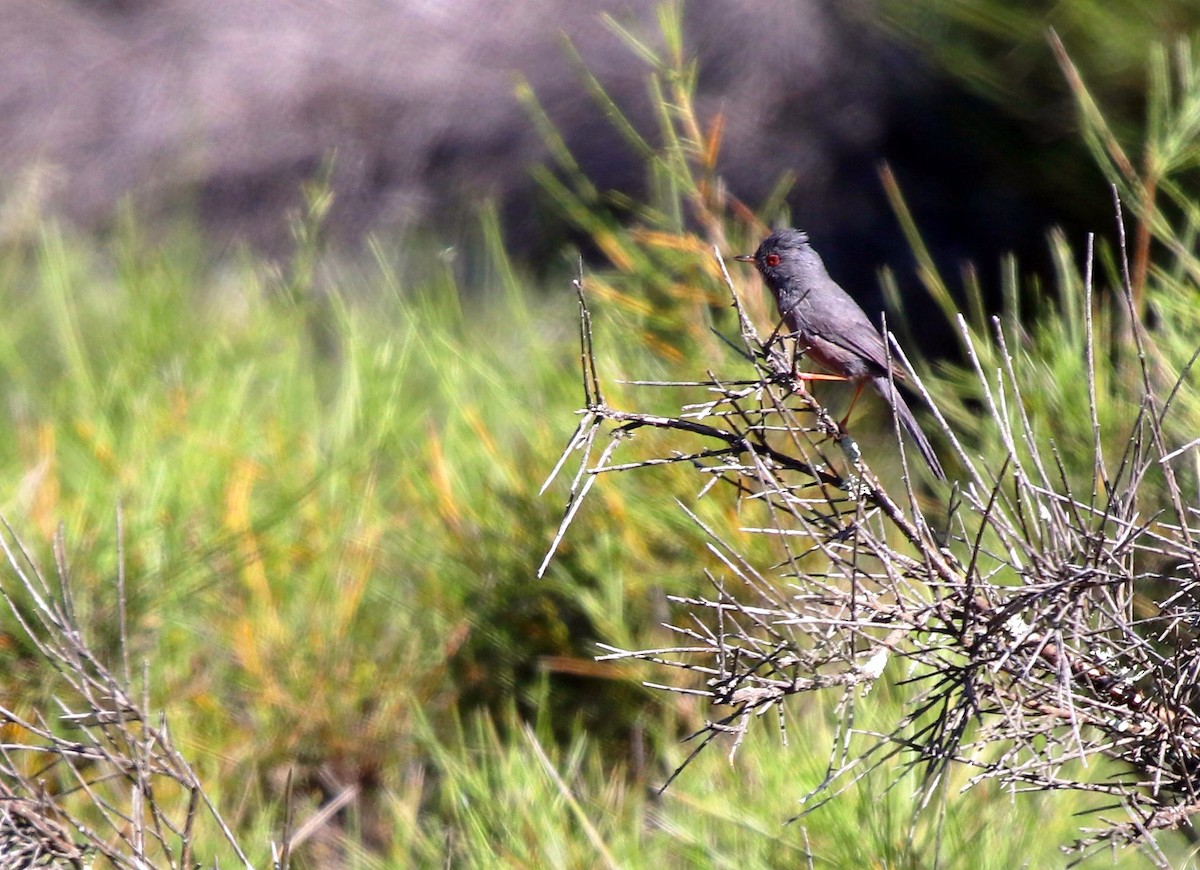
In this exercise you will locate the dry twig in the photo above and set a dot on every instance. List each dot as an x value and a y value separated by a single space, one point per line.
105 779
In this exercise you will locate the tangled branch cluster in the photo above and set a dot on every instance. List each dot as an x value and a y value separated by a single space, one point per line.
103 779
1039 626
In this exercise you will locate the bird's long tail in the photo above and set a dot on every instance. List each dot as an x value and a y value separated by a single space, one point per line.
891 395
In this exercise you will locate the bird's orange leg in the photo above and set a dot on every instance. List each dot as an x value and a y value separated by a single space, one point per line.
857 393
820 376
805 377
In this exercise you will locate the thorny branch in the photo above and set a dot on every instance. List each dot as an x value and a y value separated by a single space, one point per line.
106 779
1040 629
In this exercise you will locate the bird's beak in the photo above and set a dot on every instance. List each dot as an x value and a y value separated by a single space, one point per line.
745 258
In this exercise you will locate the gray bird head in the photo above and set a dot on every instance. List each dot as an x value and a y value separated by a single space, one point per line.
783 256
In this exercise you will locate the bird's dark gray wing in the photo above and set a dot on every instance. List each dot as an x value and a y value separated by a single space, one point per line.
854 333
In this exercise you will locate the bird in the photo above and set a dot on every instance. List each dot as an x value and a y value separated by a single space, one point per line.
831 328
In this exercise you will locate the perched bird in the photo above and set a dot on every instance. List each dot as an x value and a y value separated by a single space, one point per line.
833 331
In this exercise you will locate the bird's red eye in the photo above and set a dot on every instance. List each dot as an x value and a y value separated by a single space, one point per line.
772 260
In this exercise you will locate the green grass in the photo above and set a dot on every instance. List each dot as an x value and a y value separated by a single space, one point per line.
331 528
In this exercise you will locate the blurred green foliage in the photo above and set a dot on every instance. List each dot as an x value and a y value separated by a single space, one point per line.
329 475
998 48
